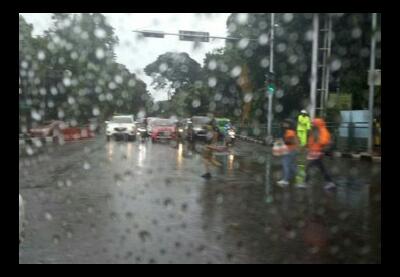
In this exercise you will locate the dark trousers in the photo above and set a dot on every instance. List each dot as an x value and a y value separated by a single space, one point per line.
319 164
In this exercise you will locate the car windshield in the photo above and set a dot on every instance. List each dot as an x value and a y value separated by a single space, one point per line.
162 122
183 162
122 120
200 120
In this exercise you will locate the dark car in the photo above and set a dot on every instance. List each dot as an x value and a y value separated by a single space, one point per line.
199 124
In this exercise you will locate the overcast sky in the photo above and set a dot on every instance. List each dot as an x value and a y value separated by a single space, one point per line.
136 54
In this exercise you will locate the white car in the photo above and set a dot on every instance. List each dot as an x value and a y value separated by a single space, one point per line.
21 217
121 126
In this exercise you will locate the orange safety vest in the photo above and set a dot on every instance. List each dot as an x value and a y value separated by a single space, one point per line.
290 134
324 137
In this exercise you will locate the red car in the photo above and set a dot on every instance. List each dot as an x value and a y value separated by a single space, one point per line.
48 129
163 129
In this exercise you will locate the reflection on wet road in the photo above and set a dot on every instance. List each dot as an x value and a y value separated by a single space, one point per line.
140 202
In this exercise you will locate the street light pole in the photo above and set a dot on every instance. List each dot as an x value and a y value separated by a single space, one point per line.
314 64
372 83
271 70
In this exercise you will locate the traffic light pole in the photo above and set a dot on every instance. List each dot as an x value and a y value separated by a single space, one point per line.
372 83
204 37
271 70
314 64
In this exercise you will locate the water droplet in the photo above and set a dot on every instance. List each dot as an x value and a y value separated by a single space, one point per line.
212 81
86 165
131 83
287 17
236 71
309 35
100 33
184 207
264 62
356 33
263 39
56 239
67 82
248 97
196 103
71 100
144 235
35 115
242 18
60 184
294 80
212 65
96 111
99 53
243 43
69 234
163 67
279 108
168 202
335 65
129 215
41 55
48 216
118 79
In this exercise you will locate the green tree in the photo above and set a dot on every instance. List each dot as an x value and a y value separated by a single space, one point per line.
179 73
71 73
174 69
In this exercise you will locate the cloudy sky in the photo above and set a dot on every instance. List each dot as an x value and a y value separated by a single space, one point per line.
136 54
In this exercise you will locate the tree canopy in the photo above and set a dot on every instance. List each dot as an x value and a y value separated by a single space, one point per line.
70 72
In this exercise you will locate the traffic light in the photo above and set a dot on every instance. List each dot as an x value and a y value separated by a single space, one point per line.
270 82
271 88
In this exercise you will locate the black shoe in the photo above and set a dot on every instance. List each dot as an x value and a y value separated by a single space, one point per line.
206 176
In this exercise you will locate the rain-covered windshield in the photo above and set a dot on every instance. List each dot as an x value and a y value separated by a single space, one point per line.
265 191
122 120
162 122
197 120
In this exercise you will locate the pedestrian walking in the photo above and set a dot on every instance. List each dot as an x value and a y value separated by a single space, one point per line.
210 147
289 159
303 127
191 138
318 141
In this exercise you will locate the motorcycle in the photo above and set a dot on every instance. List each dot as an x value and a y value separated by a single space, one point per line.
230 137
142 133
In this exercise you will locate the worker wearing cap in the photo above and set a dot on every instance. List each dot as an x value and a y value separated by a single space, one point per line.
303 127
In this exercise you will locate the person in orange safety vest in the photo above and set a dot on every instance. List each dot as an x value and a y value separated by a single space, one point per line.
319 139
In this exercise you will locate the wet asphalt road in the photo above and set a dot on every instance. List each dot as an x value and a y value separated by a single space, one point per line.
133 202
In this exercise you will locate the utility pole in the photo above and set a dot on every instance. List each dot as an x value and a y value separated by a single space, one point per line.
327 72
271 70
314 65
372 83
